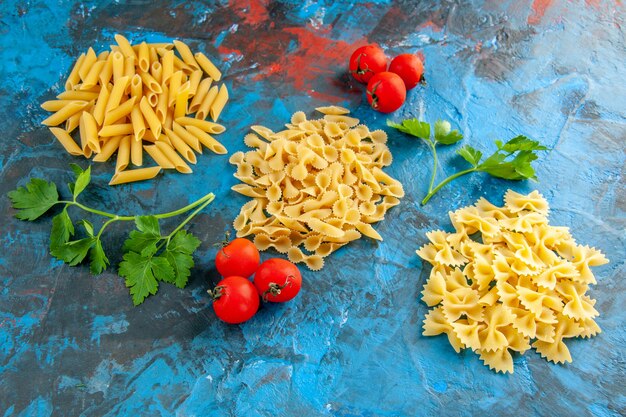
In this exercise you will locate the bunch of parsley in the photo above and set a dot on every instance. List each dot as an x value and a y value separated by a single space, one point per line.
511 161
149 256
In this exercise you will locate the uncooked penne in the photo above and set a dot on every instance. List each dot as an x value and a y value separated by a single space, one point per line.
64 113
151 83
77 95
205 125
167 62
92 78
201 91
66 140
109 147
72 122
205 107
118 90
194 81
186 54
174 84
123 154
90 59
156 70
150 117
208 67
144 57
158 157
89 132
180 146
139 127
125 47
118 65
107 71
141 174
136 86
207 140
74 77
129 66
219 103
170 153
161 107
119 112
180 108
136 153
188 137
116 130
55 105
99 109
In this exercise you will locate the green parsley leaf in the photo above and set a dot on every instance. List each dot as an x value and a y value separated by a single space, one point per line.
73 252
521 143
413 127
444 135
62 229
470 154
99 260
35 199
141 274
88 226
179 254
512 160
82 181
145 239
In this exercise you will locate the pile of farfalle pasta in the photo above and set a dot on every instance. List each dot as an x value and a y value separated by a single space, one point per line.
315 186
506 280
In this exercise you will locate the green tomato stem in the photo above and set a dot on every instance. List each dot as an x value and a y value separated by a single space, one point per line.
444 182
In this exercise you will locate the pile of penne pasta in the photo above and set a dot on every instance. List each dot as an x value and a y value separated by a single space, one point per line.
137 98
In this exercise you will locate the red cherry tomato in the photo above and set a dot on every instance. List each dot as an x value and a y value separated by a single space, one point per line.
386 92
367 61
240 257
277 280
235 300
409 67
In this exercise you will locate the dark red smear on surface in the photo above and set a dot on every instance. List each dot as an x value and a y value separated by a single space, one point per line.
253 12
539 8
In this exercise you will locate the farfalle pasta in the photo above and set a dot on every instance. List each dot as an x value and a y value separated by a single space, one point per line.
315 186
506 281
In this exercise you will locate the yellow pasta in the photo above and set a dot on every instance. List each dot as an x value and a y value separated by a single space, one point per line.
141 174
496 294
220 101
208 66
132 95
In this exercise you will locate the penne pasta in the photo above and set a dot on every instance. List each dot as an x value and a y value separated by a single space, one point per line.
169 119
153 98
109 147
118 65
174 84
208 67
123 154
207 140
101 103
55 105
139 127
207 102
92 78
180 109
167 63
129 66
88 129
117 113
219 103
150 117
154 57
90 59
188 137
64 113
186 54
107 71
156 70
136 86
151 83
116 130
173 157
66 140
125 47
74 77
194 82
136 153
141 174
201 91
158 157
205 125
144 57
117 92
161 107
72 123
77 95
180 146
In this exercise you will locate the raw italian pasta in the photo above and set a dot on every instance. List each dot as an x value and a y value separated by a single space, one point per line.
521 280
315 186
139 98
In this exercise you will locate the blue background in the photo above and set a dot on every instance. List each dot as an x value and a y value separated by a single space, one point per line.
350 345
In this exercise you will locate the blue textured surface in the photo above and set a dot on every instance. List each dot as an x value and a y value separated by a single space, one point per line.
350 344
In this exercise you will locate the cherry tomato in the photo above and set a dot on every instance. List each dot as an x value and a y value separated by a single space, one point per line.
409 67
367 61
386 92
235 300
240 257
277 280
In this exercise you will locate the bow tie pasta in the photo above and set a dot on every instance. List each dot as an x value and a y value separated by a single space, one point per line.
315 186
523 280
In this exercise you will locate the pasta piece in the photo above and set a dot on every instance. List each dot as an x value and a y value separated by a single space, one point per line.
66 140
201 92
181 101
141 174
120 112
175 82
125 47
118 65
150 117
88 62
188 137
159 157
186 54
207 140
181 146
109 147
218 104
89 133
207 102
123 154
116 130
205 125
174 158
65 113
208 66
74 78
139 127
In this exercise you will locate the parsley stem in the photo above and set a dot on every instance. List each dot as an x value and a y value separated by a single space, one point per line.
435 164
444 182
114 219
207 200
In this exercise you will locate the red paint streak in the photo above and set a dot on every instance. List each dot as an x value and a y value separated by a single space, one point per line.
593 3
223 50
271 70
539 8
429 24
254 13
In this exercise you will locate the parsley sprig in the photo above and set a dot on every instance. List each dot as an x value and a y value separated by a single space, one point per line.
512 160
149 256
